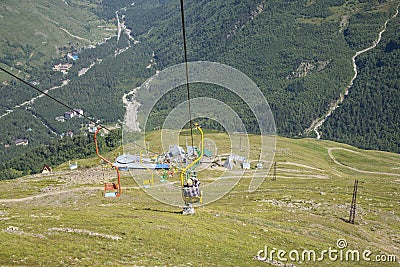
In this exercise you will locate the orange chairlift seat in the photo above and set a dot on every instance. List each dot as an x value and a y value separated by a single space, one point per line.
110 189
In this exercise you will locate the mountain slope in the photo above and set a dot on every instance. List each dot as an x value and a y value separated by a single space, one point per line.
369 116
298 53
35 31
69 222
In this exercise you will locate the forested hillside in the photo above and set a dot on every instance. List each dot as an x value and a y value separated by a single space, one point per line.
297 52
43 42
370 115
34 32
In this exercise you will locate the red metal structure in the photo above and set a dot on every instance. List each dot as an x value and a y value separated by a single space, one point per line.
110 189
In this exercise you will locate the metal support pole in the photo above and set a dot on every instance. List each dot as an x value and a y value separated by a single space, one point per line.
353 203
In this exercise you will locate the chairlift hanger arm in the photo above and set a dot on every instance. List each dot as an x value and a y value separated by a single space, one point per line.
187 168
108 161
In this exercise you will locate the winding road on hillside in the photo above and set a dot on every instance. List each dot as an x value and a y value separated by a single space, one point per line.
74 36
316 124
64 83
353 168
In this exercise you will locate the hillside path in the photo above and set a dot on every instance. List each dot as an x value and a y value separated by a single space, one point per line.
320 121
353 168
74 36
54 193
64 83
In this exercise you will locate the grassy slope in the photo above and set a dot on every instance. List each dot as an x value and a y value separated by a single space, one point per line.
43 22
303 209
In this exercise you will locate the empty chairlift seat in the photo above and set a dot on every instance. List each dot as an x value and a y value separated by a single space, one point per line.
111 190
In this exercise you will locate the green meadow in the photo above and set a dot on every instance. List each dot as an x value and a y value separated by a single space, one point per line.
61 218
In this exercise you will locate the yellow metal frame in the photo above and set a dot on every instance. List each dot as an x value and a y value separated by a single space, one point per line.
198 199
183 172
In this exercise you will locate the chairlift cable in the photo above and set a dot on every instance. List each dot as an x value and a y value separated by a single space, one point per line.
186 68
53 98
98 124
63 104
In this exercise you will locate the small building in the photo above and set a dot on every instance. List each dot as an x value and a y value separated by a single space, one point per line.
72 56
34 83
60 118
19 142
232 160
78 112
92 129
229 163
176 151
46 169
191 150
70 134
62 67
73 166
246 166
69 115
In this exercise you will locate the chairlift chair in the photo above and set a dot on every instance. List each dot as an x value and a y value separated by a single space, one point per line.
191 193
110 189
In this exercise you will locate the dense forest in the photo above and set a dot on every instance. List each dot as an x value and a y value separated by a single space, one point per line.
370 115
272 47
297 52
32 160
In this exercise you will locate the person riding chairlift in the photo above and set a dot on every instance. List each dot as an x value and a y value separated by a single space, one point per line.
192 182
191 189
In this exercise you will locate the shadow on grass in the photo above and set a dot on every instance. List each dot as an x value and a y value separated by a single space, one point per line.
347 221
158 210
